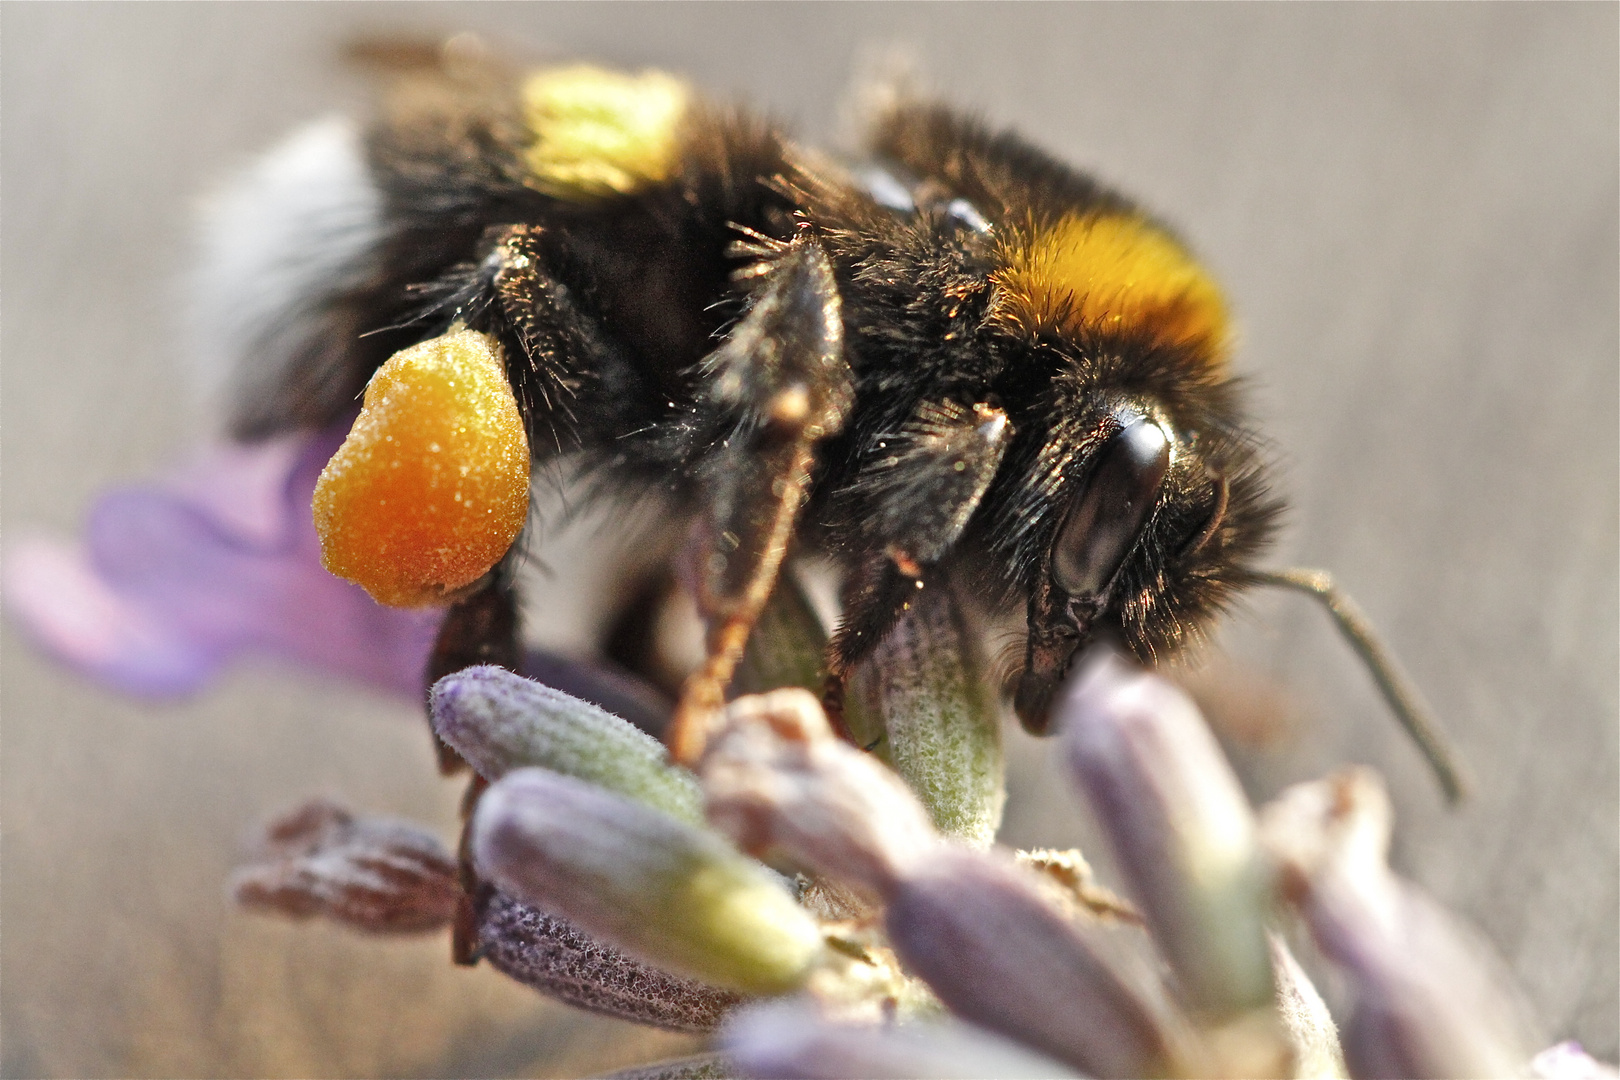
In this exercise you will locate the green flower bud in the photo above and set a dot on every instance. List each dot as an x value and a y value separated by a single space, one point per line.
941 719
674 894
499 721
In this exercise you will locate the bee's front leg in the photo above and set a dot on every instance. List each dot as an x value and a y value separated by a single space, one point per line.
778 385
910 502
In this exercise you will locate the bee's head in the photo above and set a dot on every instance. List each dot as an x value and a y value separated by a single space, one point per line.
1136 501
1149 529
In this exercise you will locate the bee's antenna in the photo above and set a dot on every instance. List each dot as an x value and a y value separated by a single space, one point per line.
1398 690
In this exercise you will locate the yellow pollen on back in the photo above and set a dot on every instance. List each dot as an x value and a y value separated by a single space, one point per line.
598 132
1111 273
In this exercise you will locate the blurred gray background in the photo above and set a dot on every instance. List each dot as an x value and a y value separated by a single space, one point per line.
1414 211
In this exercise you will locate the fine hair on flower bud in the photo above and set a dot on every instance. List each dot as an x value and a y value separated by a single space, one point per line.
675 894
1179 825
499 721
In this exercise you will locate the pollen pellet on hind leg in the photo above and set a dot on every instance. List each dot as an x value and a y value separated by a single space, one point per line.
431 487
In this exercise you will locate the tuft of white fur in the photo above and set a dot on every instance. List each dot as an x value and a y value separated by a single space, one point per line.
292 230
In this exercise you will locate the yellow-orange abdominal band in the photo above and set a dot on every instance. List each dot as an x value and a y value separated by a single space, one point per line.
1110 273
432 485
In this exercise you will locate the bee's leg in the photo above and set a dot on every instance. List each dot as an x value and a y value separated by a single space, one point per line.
480 628
553 354
913 499
874 597
556 355
549 346
465 948
777 385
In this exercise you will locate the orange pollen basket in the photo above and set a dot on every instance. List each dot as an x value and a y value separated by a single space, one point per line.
431 487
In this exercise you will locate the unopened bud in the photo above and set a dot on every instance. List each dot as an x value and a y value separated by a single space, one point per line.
1430 999
559 959
940 719
696 1067
499 721
1179 825
982 935
1312 1035
373 874
777 778
675 894
790 1039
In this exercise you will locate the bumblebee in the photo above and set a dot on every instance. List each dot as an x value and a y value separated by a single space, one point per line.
955 362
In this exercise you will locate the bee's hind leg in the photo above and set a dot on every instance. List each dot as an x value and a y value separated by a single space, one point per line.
778 385
479 628
549 346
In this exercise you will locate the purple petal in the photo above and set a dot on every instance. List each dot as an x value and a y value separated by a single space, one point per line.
221 557
1179 825
791 1039
76 617
980 932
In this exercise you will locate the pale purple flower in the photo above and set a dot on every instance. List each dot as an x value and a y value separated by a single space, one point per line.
792 1040
178 576
1428 996
972 924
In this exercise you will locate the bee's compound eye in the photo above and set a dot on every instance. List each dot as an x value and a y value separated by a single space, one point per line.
1114 505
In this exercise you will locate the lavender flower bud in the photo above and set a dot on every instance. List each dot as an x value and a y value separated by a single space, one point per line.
1429 999
696 1067
499 721
776 777
373 874
790 1039
978 930
973 926
942 722
675 894
1311 1033
1180 828
557 958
